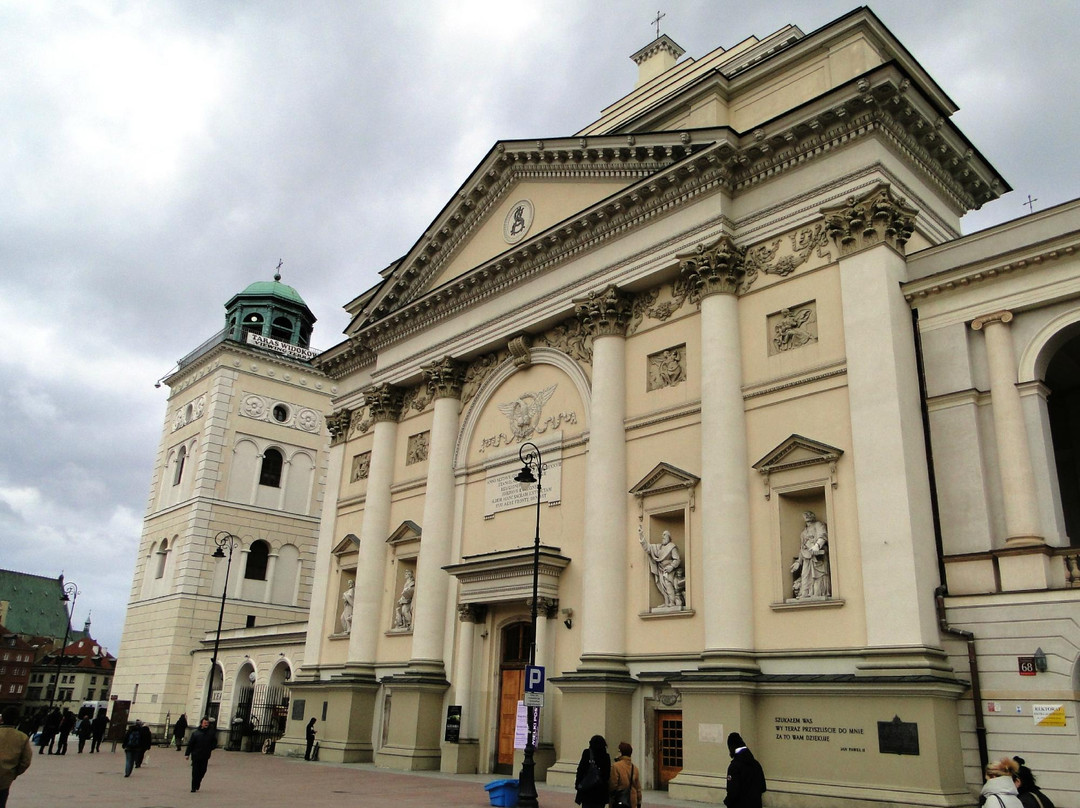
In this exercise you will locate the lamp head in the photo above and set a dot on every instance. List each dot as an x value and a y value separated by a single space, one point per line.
218 553
525 476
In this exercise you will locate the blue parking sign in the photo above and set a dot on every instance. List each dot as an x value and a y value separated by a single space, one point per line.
534 679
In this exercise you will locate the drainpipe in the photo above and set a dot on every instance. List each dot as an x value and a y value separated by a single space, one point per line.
942 590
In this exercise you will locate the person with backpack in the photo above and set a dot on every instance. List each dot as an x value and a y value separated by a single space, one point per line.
132 747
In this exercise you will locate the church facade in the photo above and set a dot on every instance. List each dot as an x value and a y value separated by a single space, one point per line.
794 435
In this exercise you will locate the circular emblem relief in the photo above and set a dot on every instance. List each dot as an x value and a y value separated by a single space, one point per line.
518 221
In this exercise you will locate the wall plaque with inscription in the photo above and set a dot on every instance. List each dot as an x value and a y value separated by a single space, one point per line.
503 493
898 737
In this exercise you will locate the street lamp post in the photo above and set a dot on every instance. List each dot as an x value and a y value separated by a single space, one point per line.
529 454
223 539
70 593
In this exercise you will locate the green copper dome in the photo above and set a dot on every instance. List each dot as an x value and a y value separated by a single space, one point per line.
274 288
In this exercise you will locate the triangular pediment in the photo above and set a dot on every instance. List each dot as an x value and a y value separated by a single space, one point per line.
663 478
797 451
483 228
405 533
349 544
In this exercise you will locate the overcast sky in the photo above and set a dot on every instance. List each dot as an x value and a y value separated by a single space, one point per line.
159 156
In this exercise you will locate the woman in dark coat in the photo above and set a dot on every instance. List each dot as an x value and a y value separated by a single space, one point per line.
595 796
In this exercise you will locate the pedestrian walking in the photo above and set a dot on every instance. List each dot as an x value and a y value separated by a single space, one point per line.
179 730
310 739
202 742
97 729
625 783
593 774
146 740
745 778
132 745
49 729
67 724
83 730
15 752
1027 789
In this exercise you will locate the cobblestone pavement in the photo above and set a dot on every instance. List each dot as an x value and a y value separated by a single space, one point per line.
245 780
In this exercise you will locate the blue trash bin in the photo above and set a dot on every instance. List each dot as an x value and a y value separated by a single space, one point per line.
503 793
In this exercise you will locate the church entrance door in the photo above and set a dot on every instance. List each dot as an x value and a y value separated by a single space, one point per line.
516 639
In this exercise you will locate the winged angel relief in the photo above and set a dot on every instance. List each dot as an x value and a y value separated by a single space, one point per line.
526 417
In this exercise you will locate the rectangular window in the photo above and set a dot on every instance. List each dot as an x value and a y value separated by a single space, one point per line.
90 694
93 680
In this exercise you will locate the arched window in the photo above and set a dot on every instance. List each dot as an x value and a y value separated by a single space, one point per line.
181 456
257 557
282 329
162 557
271 468
253 323
1063 408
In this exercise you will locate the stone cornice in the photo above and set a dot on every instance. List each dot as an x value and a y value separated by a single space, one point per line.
210 361
952 280
881 107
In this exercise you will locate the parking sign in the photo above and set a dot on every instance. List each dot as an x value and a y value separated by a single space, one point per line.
534 679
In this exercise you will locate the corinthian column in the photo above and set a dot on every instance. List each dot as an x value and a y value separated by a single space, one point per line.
1020 501
715 274
605 316
338 424
445 379
384 404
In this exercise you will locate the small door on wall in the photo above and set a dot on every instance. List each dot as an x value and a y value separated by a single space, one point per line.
669 746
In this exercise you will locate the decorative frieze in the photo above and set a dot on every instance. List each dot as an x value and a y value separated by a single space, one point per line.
667 368
792 328
192 411
876 217
718 268
604 312
361 467
265 408
417 448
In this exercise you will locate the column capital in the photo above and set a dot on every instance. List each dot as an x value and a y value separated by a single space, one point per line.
384 401
471 612
338 424
715 269
876 217
445 377
997 317
605 312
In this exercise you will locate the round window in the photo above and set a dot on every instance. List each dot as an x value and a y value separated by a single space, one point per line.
281 413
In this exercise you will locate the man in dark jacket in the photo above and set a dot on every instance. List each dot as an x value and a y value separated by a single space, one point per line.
97 730
132 747
67 724
146 740
202 742
745 778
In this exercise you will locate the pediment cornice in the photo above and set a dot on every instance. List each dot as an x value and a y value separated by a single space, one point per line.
881 103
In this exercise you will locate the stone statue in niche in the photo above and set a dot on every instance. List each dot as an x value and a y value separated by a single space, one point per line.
403 610
665 564
811 567
794 329
347 607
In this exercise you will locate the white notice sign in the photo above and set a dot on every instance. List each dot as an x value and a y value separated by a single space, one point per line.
503 493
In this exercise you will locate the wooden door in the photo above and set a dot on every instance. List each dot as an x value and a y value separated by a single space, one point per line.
669 746
511 691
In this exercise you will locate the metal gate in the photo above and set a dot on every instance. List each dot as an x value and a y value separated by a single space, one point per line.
261 714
